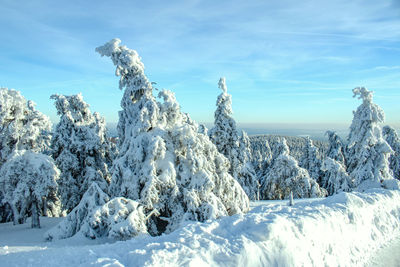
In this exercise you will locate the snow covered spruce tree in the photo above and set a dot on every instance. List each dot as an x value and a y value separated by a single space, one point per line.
367 152
311 160
29 180
164 162
230 143
80 148
261 156
286 176
335 178
21 127
390 135
336 148
246 171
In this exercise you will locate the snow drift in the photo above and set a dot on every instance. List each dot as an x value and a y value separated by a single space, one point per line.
342 230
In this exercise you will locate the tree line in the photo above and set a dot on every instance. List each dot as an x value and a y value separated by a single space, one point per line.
166 168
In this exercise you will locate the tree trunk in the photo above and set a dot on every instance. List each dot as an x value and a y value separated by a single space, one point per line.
15 214
35 215
45 211
17 218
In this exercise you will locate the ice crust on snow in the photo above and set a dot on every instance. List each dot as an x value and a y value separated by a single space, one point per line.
342 230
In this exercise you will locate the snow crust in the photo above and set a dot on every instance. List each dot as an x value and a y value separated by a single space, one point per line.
342 230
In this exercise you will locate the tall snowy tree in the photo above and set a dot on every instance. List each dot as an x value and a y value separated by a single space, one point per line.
336 178
164 162
21 127
230 143
285 176
29 181
80 148
391 136
336 148
311 160
367 152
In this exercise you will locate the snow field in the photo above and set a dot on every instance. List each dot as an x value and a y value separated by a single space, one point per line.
342 230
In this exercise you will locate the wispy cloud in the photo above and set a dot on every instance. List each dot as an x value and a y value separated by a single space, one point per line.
264 48
387 68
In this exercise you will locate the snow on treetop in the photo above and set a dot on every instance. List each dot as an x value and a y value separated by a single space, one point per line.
129 65
363 93
222 85
22 126
368 111
74 107
110 47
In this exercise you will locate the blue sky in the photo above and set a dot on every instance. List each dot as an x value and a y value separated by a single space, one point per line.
286 62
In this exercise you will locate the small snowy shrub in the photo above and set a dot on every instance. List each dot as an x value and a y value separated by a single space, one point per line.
96 216
119 219
78 219
29 182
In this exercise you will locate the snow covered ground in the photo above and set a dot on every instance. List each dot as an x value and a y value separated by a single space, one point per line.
387 256
348 229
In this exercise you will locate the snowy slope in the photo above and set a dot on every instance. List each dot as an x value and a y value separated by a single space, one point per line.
344 230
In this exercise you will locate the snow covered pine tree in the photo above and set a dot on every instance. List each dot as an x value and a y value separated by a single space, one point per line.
367 152
21 127
336 148
235 147
393 140
28 179
285 176
80 148
261 156
164 162
311 161
335 178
